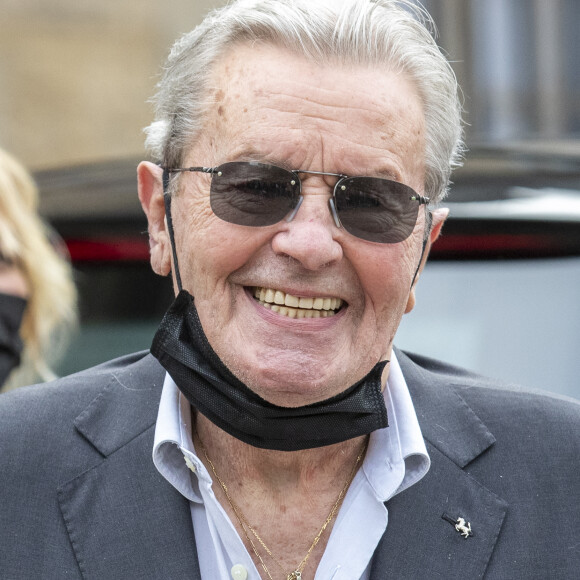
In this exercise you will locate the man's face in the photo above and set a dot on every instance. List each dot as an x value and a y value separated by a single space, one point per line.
276 107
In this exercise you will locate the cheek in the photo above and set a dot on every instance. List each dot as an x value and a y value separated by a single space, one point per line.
386 274
210 249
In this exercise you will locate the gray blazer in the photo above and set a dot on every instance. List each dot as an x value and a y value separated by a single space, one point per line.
81 498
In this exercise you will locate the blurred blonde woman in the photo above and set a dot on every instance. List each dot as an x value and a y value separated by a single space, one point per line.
37 293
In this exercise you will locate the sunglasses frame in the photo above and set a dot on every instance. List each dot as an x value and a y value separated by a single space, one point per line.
422 200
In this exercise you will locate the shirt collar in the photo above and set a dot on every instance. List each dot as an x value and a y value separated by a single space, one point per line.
174 455
396 458
400 442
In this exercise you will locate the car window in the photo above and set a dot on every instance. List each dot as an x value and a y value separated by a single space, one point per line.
517 320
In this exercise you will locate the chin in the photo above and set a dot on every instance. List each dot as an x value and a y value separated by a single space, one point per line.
294 389
291 397
290 377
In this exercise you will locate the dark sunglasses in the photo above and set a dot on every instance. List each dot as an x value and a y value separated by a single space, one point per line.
249 193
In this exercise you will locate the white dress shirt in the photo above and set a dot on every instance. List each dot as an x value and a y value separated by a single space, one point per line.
396 459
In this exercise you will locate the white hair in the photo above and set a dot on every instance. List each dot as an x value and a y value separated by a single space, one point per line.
393 35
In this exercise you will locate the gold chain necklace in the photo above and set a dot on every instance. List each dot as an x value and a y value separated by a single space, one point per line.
244 524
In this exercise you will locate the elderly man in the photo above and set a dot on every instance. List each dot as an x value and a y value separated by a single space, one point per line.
275 432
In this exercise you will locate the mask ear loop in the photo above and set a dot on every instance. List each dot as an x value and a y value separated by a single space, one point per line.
428 223
167 200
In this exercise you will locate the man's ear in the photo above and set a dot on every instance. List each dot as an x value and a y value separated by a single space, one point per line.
150 184
438 218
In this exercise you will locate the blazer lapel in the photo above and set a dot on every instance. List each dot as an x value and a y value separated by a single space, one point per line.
124 520
420 541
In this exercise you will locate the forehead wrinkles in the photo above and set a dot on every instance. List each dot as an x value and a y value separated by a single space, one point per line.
326 96
365 109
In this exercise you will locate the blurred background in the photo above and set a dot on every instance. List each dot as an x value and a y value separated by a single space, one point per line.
75 76
501 293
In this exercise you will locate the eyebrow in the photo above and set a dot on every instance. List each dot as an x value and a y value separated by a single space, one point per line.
387 173
251 154
248 154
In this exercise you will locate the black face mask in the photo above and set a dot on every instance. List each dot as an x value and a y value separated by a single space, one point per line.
11 312
182 348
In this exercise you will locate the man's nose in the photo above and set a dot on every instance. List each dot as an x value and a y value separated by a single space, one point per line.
310 237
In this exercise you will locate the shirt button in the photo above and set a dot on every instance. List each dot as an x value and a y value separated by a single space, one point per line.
239 572
189 463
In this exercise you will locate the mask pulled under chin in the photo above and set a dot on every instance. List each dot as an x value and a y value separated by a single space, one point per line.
184 351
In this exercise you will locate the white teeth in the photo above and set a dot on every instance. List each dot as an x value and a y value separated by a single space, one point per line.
292 301
297 306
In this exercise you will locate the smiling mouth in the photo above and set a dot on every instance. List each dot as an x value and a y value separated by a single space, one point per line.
297 306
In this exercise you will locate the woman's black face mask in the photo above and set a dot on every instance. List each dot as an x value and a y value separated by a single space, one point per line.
183 349
11 313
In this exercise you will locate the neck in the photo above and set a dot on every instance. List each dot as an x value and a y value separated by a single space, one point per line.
277 471
285 496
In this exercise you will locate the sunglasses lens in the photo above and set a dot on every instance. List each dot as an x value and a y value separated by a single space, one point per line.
376 209
253 194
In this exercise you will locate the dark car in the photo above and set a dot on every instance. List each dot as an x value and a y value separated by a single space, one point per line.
499 294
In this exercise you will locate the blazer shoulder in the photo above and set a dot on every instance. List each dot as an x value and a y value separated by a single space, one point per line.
506 408
58 402
446 372
532 414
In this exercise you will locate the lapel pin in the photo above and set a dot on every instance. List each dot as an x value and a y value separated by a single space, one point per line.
460 525
462 528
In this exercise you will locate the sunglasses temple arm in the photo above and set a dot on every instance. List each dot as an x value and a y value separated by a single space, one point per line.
167 200
428 221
